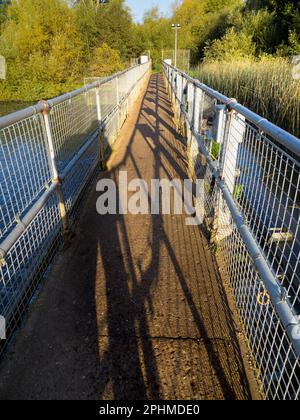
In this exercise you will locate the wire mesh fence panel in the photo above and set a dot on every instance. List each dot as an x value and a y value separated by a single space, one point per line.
123 85
78 177
108 97
251 207
24 169
111 132
48 156
27 262
183 58
276 362
266 186
72 122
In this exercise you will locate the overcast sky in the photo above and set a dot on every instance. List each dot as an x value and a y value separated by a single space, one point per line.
139 7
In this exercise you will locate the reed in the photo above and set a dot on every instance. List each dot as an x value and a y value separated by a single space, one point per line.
266 86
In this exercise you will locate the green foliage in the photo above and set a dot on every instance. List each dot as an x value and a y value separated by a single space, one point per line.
105 61
215 150
286 19
154 35
204 21
292 47
259 25
3 13
51 45
238 191
109 23
40 43
233 46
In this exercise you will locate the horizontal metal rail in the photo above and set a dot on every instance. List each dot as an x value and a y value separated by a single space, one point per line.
251 171
22 224
31 111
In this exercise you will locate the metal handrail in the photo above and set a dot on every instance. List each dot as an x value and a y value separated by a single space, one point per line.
15 234
30 111
283 137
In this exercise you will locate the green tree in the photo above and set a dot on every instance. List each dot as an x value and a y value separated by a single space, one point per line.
154 35
260 25
109 23
86 15
105 61
231 47
286 21
203 21
42 48
3 11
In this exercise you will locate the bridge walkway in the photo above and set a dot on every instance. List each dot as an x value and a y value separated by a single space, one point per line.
135 307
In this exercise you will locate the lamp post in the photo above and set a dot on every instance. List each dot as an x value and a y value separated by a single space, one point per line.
176 27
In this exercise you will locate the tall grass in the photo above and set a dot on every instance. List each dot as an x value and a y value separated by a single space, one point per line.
266 86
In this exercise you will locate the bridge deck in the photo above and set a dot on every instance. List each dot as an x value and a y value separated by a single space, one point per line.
135 307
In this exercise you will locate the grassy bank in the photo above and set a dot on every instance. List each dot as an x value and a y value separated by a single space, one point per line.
266 86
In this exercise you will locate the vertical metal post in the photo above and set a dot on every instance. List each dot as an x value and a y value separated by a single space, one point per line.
176 45
117 91
118 103
172 87
193 109
196 111
52 161
101 130
183 97
234 134
190 102
233 137
176 27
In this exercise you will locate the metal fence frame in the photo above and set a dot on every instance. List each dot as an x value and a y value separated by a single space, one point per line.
273 333
48 155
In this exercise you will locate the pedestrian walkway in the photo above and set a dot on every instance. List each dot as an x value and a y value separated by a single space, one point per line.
135 307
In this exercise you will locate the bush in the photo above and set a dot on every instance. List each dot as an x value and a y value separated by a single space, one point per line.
232 46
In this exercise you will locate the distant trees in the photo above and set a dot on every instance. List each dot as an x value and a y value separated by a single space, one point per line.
285 23
50 45
43 51
108 22
203 21
272 27
286 19
154 35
